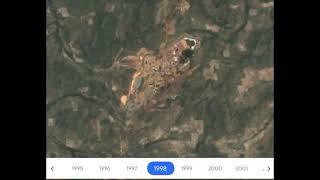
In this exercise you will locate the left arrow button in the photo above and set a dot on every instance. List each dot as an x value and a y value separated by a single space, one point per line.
52 168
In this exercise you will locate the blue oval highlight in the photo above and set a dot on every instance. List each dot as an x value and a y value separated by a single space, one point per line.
160 168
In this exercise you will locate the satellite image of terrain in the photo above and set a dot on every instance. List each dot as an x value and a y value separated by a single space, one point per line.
160 78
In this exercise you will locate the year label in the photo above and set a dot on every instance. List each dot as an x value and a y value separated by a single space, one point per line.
160 168
215 168
104 168
77 168
132 168
242 168
186 168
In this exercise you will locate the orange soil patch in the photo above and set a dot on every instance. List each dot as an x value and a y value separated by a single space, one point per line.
124 99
